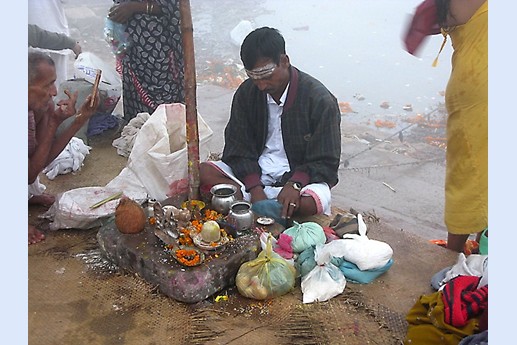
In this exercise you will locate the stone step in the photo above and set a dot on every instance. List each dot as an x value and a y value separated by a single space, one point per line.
145 255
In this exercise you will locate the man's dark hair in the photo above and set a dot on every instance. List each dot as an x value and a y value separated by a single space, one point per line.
262 43
35 59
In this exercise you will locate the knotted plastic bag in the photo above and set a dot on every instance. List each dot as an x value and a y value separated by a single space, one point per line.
267 276
305 262
365 253
305 235
325 280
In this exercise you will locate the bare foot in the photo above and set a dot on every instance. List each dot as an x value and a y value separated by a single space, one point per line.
35 235
44 199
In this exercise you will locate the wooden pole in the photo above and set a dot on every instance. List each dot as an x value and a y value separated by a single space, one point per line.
190 99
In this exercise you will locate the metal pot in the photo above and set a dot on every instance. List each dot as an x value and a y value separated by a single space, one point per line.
223 195
241 216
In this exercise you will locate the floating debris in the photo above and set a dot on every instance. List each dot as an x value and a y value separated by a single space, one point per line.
359 97
385 123
345 107
301 28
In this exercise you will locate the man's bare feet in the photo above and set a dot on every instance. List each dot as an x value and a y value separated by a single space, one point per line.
35 235
44 199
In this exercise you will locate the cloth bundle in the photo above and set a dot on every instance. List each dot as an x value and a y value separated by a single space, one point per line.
69 160
126 141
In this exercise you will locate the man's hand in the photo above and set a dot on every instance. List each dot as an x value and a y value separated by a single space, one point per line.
86 111
65 107
290 200
77 49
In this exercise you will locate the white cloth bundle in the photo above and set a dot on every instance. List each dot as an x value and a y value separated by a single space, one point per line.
70 159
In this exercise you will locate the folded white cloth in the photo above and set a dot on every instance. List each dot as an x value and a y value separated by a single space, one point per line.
70 159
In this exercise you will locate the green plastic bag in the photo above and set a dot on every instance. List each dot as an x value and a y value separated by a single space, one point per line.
305 235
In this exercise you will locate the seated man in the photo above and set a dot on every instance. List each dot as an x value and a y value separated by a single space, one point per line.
44 119
283 138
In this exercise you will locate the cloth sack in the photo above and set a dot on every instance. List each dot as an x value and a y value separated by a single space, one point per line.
158 163
72 209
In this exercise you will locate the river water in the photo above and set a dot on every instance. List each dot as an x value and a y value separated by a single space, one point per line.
354 47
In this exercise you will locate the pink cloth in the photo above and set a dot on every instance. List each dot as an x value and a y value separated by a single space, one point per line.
423 24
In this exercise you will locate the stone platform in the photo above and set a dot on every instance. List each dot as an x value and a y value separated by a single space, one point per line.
144 254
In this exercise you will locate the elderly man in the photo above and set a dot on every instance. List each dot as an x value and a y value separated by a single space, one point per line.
44 119
283 140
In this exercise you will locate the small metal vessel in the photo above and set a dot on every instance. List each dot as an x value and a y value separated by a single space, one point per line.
223 195
241 217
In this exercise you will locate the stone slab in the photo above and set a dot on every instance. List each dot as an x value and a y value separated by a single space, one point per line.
144 254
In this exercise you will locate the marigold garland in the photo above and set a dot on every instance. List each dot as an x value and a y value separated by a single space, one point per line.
188 257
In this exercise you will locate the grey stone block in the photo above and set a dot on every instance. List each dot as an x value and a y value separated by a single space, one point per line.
145 255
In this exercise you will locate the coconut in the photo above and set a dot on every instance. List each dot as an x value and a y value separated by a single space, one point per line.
210 231
129 216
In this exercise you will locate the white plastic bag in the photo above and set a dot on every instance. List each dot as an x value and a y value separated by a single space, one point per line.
365 253
72 209
325 280
158 162
86 66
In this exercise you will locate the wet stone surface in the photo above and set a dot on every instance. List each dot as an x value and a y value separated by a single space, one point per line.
145 255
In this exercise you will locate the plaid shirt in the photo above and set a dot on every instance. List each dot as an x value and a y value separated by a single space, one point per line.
311 132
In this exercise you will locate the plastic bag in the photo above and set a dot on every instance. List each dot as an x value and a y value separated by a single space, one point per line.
117 37
305 262
86 66
267 276
359 249
305 235
72 209
325 280
158 163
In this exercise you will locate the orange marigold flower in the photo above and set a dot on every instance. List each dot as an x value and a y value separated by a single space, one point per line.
188 257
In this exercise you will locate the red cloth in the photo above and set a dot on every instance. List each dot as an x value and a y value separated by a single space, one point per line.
423 24
463 300
283 246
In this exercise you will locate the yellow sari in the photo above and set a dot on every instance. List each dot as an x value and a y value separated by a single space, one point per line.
466 98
